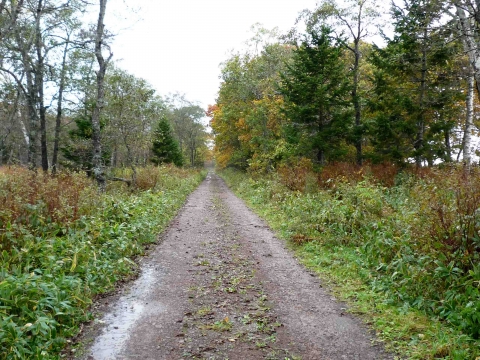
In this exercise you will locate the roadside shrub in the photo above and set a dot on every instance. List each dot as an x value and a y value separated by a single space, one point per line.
334 173
413 236
331 174
295 173
62 243
453 209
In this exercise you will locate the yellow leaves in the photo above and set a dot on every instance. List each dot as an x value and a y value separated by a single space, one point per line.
245 138
245 127
74 263
241 124
223 156
271 109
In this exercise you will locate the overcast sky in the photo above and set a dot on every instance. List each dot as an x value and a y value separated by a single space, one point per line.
177 45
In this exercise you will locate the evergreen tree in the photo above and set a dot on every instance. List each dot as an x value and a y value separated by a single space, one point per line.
316 87
416 91
165 148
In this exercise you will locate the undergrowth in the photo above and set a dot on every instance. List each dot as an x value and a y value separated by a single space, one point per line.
402 247
62 243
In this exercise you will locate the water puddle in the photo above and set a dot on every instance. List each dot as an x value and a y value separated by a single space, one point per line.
128 309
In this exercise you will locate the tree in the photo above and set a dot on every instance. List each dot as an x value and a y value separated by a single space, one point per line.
468 15
467 26
247 120
357 19
186 118
97 162
67 65
417 91
48 58
164 146
27 58
13 134
9 12
78 150
130 112
316 87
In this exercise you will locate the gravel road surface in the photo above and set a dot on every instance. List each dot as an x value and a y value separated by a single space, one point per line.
221 286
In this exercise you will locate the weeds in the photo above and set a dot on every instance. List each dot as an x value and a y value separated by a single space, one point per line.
222 325
61 243
409 250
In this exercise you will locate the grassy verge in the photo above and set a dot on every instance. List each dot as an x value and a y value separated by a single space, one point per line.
62 243
380 250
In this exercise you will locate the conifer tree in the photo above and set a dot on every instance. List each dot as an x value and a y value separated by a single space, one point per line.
316 89
165 148
415 88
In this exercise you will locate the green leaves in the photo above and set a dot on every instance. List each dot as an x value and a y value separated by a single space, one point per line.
164 147
247 120
316 88
49 274
380 240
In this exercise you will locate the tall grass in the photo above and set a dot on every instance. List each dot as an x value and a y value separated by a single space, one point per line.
411 238
61 243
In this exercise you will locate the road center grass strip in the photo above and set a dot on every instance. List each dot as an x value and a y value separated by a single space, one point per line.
62 243
367 243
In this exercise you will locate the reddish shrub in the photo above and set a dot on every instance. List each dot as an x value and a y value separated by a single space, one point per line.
340 171
294 173
52 198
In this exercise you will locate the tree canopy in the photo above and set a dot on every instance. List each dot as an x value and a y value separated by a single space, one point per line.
330 94
66 103
164 147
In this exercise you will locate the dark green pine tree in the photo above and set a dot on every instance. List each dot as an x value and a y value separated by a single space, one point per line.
316 88
414 101
165 148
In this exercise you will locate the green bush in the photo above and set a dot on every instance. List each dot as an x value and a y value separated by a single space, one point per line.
51 268
391 241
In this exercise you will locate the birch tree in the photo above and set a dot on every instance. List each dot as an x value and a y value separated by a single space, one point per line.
469 20
98 166
9 11
467 16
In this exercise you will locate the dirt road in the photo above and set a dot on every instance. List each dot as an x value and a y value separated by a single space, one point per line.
221 286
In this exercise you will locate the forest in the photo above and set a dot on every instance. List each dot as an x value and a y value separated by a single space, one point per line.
49 96
331 94
354 135
357 139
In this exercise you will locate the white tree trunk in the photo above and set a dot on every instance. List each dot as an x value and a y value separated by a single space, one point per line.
467 136
467 28
25 132
98 166
469 37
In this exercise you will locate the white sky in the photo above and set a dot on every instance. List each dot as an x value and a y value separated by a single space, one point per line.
177 45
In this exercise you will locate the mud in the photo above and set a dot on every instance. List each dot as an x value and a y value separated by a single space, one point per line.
221 286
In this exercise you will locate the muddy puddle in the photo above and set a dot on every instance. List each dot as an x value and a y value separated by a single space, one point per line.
125 313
